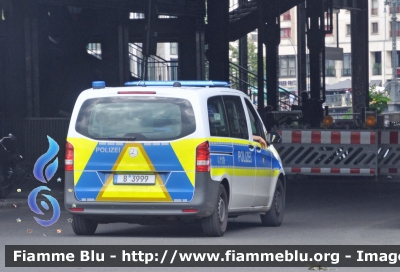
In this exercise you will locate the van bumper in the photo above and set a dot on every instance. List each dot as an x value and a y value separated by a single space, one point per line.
202 204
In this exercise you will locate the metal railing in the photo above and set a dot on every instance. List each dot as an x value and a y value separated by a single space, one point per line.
338 100
157 68
94 49
250 85
377 71
330 72
346 72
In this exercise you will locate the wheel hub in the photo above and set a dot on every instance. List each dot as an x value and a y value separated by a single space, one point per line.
278 201
221 209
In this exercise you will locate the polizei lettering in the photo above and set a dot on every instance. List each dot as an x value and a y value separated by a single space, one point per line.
244 156
108 149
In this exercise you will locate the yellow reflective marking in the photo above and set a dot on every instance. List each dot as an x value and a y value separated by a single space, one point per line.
83 150
137 193
185 151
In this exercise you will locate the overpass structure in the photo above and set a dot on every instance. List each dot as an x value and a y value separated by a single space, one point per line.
44 61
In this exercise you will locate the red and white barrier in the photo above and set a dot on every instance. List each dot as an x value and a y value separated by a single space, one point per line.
389 137
350 152
344 171
328 137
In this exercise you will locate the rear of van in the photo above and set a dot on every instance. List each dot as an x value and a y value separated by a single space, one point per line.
138 154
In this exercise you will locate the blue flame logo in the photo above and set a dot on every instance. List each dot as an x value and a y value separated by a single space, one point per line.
44 159
49 171
33 205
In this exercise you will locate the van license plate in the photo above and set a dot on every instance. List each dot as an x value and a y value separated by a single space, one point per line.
134 179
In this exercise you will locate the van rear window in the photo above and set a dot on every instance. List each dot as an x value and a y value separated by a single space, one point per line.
136 118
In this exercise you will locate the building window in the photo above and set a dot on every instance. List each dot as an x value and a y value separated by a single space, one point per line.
348 29
377 68
174 69
285 33
398 57
346 64
397 29
173 49
286 16
397 8
330 68
328 31
374 27
287 66
374 7
94 49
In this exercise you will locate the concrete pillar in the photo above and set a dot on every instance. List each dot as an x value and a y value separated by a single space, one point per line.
218 39
243 60
111 50
272 40
187 49
316 46
301 49
360 58
15 94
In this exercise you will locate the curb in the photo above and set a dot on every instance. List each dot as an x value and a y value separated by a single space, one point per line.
23 202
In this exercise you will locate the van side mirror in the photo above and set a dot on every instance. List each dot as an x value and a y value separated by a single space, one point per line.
274 137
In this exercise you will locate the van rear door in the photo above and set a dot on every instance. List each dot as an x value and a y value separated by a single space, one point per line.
134 149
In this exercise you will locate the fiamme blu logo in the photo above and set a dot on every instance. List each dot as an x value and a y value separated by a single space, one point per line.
45 168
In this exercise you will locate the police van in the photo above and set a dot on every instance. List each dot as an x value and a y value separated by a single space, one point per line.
155 152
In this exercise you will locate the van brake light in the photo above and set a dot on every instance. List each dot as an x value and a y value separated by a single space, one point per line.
203 157
69 157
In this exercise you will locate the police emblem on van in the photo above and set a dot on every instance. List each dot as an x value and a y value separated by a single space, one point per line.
133 152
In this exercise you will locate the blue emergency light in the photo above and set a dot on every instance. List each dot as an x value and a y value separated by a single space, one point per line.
184 83
98 84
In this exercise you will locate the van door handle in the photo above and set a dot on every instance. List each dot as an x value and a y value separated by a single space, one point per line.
251 147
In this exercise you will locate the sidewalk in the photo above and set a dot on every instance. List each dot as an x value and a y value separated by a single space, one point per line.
20 199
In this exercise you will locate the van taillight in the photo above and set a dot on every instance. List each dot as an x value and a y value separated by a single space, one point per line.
203 158
69 157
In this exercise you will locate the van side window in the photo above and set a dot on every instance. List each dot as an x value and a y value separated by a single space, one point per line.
236 117
256 126
217 117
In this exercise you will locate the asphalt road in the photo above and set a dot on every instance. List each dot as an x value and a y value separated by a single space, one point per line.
319 211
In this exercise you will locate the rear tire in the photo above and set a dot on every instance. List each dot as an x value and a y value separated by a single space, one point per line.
274 217
83 226
215 224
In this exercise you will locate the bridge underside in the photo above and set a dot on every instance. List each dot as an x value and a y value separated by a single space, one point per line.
44 63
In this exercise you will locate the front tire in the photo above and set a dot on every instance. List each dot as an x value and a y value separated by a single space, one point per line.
215 224
274 217
83 226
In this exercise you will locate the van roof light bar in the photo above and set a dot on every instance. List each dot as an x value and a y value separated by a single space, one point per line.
184 83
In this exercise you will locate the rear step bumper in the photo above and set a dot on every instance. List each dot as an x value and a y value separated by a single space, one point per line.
204 201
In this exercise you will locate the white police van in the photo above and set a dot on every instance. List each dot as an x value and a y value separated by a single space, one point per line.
158 151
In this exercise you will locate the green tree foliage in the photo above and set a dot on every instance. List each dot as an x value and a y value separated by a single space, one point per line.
251 54
378 99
